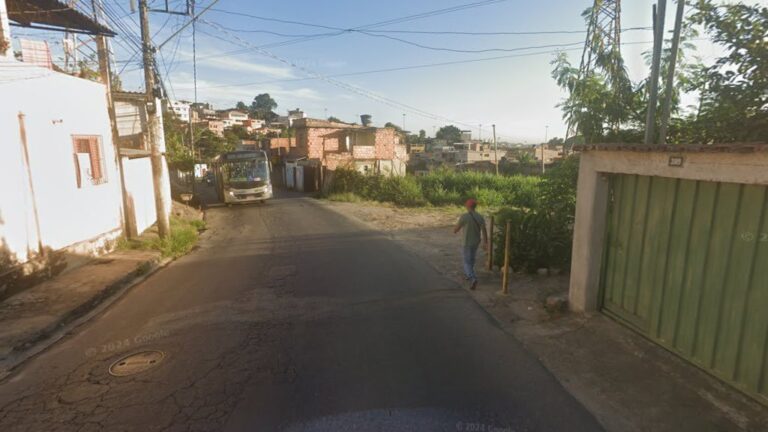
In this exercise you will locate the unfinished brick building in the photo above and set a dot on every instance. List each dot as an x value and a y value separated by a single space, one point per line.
335 145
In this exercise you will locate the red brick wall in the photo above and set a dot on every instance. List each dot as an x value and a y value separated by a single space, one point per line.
328 144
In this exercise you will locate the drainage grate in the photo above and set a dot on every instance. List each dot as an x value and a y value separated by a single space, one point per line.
136 363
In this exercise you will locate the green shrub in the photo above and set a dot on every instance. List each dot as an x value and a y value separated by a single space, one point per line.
541 209
542 233
344 197
183 237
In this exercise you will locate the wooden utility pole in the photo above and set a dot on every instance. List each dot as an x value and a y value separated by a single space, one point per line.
505 270
490 245
129 226
162 198
495 150
653 89
666 109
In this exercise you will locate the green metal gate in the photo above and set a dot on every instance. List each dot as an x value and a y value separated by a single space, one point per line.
686 264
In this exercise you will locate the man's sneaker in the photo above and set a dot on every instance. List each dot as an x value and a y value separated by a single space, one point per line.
474 285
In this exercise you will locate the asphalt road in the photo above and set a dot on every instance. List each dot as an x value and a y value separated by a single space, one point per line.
292 317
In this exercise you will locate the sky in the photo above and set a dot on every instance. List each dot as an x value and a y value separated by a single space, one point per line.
240 56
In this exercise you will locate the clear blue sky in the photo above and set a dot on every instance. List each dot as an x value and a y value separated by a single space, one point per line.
517 94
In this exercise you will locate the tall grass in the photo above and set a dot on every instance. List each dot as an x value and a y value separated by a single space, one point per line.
440 188
541 209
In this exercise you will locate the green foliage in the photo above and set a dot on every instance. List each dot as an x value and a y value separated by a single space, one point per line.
604 106
542 234
262 106
734 90
344 197
440 188
178 152
208 145
541 209
183 237
334 119
449 133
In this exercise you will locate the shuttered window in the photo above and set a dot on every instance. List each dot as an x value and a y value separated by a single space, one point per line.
95 170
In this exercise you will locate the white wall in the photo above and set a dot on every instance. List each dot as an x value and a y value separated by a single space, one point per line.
55 107
141 195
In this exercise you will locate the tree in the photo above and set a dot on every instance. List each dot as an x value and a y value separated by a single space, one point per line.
241 106
555 141
733 105
449 133
262 106
334 119
393 126
209 145
422 135
178 152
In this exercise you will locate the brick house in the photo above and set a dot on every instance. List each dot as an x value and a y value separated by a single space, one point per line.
340 145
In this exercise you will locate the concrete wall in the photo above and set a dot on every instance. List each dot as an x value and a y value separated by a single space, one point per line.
40 202
592 200
141 195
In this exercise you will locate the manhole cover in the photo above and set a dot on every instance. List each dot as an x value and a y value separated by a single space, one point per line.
135 363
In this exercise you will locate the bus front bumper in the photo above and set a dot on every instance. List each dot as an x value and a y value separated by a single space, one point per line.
248 195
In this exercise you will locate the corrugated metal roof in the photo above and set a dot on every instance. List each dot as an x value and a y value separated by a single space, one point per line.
681 148
54 15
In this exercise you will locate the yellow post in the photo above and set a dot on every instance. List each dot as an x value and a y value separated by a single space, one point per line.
490 245
507 239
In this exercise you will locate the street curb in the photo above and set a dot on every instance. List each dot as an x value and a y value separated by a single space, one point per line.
47 337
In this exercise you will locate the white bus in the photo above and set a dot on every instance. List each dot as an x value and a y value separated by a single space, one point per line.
243 176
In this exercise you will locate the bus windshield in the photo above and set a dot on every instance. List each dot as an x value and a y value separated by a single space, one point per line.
246 174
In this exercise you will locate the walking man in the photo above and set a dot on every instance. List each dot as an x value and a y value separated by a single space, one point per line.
474 227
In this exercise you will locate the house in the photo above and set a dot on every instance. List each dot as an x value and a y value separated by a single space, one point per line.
287 121
233 117
132 136
202 112
282 146
341 145
180 109
215 126
67 198
252 125
468 153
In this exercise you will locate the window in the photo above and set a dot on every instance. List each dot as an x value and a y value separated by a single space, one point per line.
89 160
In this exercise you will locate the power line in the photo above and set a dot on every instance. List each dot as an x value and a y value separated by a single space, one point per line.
354 89
369 26
485 50
410 67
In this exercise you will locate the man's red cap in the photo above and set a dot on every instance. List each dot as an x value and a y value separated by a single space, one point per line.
471 203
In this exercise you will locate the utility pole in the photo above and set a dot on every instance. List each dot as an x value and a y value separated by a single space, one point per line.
495 150
480 132
666 107
162 200
653 92
194 80
129 226
546 133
